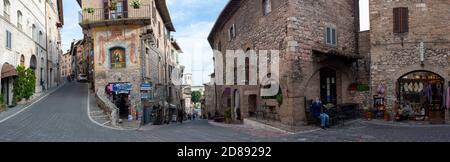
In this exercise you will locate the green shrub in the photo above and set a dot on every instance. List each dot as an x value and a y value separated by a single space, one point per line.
24 84
227 113
2 103
280 99
363 88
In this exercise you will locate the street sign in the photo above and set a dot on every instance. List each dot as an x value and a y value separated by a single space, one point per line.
146 87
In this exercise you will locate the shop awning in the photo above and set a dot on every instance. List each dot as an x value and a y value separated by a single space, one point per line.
8 71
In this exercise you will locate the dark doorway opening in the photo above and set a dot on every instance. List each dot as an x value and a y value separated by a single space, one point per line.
122 102
328 86
252 105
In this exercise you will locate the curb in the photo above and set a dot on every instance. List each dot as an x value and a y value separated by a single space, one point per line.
405 125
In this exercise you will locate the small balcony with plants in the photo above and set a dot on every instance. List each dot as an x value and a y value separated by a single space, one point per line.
116 13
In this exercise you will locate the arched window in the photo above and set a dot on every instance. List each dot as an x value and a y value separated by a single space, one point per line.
19 20
118 59
22 60
33 32
235 71
6 10
40 37
267 6
247 67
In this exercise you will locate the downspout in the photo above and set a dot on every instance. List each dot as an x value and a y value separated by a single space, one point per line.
46 44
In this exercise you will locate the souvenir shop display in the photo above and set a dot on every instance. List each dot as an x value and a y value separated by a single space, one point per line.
423 92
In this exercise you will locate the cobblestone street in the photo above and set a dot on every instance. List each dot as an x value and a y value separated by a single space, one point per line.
63 117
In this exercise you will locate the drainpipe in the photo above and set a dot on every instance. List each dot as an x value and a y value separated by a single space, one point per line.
46 44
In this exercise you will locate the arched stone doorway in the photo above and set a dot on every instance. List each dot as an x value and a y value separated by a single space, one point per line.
226 99
420 95
7 79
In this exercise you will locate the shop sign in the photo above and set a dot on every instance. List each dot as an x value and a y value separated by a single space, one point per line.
122 88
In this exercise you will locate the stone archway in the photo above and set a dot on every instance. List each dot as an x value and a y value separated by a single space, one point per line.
7 77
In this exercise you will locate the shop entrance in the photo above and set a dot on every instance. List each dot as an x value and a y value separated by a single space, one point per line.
252 103
122 102
120 96
420 96
328 88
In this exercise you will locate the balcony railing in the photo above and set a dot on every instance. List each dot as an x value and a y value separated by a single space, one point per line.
100 15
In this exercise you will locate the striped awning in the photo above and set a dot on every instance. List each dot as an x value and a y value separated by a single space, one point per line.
8 71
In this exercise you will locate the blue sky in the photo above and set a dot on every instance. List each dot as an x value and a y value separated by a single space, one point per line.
193 20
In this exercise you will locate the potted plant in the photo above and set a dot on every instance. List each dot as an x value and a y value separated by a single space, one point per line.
89 10
367 113
113 5
387 116
136 4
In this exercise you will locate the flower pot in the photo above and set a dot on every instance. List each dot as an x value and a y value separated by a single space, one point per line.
369 115
387 117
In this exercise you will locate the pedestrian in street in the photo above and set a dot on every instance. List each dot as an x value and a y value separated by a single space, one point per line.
317 112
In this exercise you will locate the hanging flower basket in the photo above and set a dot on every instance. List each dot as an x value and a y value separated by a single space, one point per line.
89 10
136 4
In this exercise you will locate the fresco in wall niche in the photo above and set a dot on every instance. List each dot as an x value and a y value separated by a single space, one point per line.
116 38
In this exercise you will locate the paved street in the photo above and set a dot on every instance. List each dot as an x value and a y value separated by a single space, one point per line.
62 116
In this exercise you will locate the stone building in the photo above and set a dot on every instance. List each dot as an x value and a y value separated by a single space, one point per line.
410 48
30 36
318 53
130 48
66 65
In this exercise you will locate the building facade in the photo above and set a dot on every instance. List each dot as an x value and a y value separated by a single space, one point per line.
27 29
409 47
130 50
66 65
318 56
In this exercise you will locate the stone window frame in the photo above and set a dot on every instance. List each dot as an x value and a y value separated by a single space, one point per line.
22 60
8 41
7 10
267 7
232 32
333 41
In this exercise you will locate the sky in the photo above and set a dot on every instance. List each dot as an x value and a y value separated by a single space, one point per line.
193 20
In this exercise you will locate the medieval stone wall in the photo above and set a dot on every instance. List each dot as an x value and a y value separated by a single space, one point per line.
394 55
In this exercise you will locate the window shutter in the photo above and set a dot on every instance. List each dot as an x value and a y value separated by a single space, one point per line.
401 20
125 8
328 36
405 18
397 18
333 36
106 9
